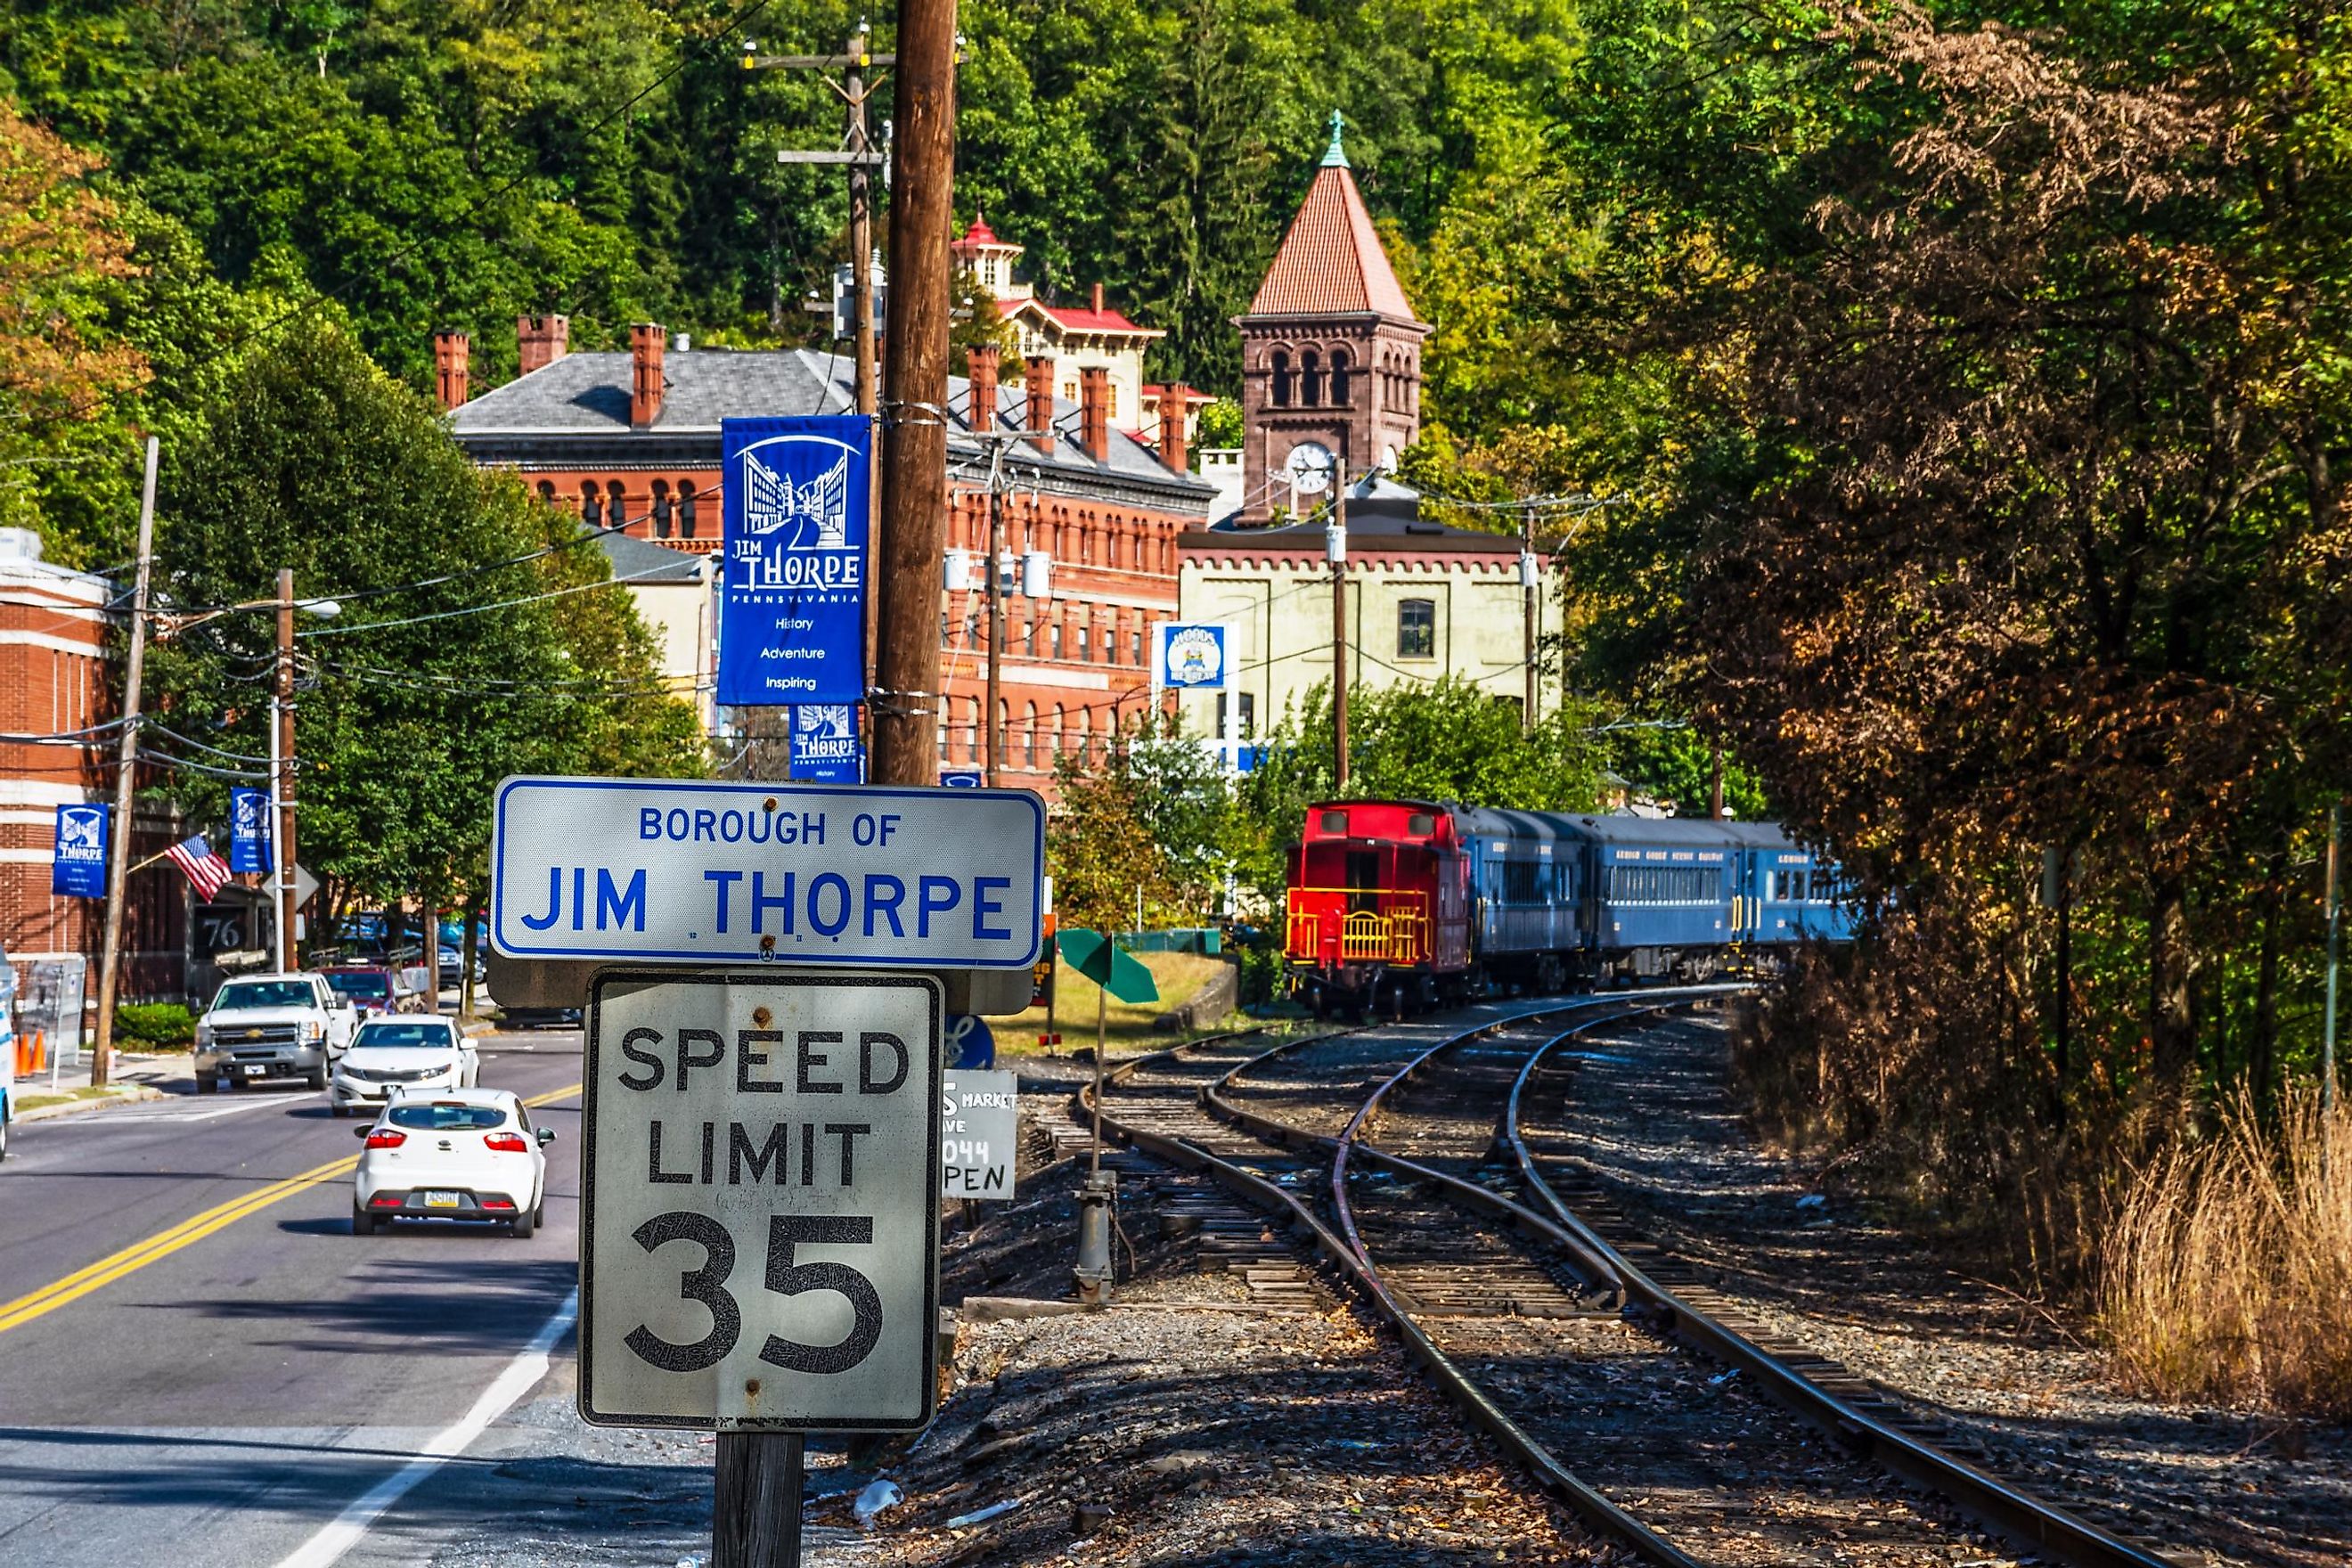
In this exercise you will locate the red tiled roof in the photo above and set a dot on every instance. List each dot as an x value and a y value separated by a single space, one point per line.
1075 320
1332 262
978 234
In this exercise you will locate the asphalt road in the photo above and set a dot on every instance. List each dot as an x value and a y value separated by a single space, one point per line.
243 1370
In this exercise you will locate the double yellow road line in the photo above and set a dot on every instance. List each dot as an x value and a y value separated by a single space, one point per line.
188 1232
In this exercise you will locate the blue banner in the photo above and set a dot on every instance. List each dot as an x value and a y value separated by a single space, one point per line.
791 604
825 747
80 869
249 830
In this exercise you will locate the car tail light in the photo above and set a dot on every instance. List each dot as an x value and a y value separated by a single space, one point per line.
386 1138
508 1144
384 1201
497 1203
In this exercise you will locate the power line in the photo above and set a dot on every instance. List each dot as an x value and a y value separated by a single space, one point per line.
478 609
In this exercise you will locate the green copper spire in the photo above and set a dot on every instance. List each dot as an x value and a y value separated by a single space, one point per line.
1335 157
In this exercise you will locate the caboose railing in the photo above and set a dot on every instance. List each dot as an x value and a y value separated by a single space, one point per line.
1323 929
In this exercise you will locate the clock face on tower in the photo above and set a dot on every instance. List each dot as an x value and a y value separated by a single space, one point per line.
1310 467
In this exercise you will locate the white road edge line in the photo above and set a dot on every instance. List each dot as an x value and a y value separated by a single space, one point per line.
521 1374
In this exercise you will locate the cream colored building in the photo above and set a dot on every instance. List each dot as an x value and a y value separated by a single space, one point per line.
1423 601
672 591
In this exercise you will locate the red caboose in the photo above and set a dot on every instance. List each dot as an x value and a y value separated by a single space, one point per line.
1379 905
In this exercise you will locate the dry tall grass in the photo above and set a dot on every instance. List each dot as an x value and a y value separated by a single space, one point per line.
2228 1275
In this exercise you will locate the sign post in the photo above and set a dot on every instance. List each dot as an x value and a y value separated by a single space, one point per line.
759 1237
762 1165
1098 957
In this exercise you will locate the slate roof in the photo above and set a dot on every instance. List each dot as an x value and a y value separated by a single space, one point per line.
635 560
1331 261
582 397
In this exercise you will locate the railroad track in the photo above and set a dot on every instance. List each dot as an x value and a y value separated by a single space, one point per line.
1543 1316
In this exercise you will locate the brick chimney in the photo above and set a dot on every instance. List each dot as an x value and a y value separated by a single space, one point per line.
1098 300
541 341
645 342
1037 379
1093 411
1175 409
979 367
450 353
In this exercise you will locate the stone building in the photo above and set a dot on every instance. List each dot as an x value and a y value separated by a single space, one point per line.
1332 373
1330 348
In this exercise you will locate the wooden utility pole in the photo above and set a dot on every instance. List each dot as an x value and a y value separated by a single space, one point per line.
915 425
997 627
857 155
755 1518
285 719
1336 550
117 842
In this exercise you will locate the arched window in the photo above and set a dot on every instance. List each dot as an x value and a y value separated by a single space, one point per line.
616 504
547 490
1310 378
1057 728
591 505
686 509
1029 739
1339 376
972 729
661 509
1000 740
1085 736
1281 379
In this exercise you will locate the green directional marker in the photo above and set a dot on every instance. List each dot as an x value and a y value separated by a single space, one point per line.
1100 960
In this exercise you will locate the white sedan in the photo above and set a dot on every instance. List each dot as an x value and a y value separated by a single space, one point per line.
464 1153
412 1053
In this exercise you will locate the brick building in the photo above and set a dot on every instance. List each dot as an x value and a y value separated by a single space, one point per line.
54 623
1330 347
636 436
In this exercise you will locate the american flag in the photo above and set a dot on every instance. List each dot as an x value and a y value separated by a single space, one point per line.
207 870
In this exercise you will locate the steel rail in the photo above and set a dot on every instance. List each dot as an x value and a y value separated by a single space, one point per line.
1551 1476
2010 1510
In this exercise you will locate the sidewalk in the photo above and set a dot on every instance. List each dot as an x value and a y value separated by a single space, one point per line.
137 1075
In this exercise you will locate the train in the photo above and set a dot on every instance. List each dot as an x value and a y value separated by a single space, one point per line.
1400 905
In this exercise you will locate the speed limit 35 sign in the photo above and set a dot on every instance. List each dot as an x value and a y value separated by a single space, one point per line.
761 1249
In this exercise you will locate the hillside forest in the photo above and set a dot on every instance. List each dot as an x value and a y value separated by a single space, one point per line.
1972 380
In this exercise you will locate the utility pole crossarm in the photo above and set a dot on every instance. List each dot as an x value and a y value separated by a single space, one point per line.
854 160
818 62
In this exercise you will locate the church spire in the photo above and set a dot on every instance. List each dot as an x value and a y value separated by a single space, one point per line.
1335 157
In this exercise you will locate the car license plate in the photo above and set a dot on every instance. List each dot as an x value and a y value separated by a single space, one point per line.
256 1071
442 1200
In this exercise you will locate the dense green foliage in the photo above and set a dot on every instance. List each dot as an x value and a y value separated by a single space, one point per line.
152 1024
411 704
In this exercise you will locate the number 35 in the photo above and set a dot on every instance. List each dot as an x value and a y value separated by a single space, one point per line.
707 1285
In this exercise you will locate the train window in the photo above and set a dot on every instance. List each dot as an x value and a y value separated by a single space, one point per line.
1334 822
1666 884
1520 882
1421 825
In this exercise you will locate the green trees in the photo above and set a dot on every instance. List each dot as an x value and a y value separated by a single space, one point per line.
414 701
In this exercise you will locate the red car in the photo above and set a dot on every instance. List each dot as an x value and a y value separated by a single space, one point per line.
373 990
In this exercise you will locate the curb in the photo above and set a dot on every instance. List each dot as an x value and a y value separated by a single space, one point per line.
123 1094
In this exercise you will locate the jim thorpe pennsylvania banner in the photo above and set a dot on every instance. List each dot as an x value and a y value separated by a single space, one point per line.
792 605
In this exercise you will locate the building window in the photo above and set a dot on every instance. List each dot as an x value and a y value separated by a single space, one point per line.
591 505
661 509
1029 739
1417 629
547 490
1113 409
686 509
1086 652
1136 648
1281 379
1311 378
1057 639
616 505
1248 715
1339 376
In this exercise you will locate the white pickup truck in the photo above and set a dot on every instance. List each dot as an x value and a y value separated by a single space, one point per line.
262 1026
